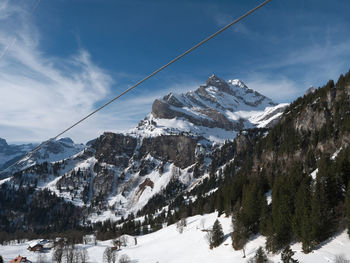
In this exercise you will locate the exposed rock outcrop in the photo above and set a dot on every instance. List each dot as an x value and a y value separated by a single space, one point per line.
178 149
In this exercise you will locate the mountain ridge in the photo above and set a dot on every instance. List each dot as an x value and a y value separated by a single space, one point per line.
10 153
53 151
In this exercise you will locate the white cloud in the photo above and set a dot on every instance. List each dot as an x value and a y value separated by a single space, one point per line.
316 62
279 89
41 95
221 19
318 54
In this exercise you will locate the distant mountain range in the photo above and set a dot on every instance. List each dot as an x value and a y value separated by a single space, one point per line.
11 153
52 152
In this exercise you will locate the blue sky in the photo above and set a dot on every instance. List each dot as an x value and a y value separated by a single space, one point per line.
70 56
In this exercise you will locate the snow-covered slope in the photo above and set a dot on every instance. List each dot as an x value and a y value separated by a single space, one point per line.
168 245
216 111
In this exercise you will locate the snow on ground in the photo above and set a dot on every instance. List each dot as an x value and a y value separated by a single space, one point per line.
160 181
336 153
4 180
262 119
269 197
168 245
176 125
314 174
258 117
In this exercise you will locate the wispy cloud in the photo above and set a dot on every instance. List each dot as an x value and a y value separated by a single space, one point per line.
315 53
40 95
278 88
221 19
241 28
313 64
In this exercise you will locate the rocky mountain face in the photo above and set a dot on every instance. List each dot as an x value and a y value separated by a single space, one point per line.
117 174
216 111
214 105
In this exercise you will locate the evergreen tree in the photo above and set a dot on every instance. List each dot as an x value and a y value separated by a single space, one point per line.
287 255
321 226
171 219
240 233
145 230
347 207
343 167
301 219
282 210
264 217
220 203
227 203
217 234
251 207
260 256
331 181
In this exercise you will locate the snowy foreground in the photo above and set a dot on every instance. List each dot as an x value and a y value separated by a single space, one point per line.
168 245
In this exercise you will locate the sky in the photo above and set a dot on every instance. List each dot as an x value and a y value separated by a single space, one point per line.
61 59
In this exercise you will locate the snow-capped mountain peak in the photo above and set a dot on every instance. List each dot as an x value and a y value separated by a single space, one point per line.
216 111
66 141
215 81
237 82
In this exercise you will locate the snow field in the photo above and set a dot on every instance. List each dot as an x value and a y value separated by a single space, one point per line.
168 245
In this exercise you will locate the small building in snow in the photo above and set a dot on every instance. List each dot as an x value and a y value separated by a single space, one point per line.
36 246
